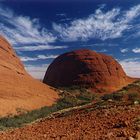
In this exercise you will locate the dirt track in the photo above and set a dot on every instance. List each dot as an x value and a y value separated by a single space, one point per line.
115 123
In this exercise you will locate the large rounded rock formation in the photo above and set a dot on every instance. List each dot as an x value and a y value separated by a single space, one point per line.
18 90
97 71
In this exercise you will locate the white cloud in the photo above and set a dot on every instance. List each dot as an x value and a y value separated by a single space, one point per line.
38 71
39 47
131 66
39 57
124 50
101 45
131 59
24 31
101 25
136 50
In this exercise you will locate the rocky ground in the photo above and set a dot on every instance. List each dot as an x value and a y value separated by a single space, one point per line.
119 121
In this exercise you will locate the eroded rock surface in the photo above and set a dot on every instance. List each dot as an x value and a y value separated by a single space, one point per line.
18 90
98 71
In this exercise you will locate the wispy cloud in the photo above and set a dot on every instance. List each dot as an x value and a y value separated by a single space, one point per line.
124 50
101 45
38 47
21 30
101 25
39 57
136 50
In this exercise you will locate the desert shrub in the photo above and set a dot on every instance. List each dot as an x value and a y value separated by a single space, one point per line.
71 88
77 95
133 96
80 88
114 96
87 96
19 120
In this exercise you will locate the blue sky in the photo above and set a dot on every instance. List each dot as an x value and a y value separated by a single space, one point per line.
40 30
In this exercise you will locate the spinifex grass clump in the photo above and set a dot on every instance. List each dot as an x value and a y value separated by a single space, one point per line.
114 96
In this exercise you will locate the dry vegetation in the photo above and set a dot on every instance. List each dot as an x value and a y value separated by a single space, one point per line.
115 115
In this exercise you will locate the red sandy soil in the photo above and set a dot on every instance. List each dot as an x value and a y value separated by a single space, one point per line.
18 90
116 122
85 67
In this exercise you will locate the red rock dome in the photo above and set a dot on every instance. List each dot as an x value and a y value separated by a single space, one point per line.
18 90
98 71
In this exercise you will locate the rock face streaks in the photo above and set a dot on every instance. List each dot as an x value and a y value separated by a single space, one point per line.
18 90
97 71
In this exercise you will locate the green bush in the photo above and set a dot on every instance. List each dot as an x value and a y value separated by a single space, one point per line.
114 96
